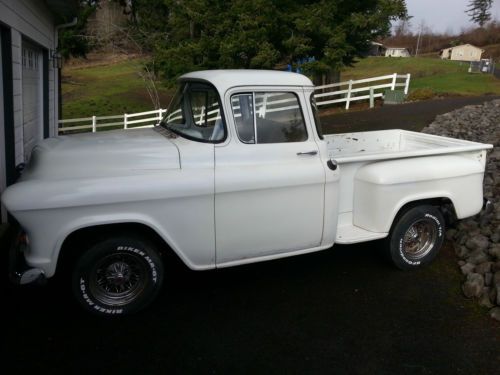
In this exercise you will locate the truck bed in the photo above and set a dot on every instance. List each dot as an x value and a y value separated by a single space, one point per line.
392 144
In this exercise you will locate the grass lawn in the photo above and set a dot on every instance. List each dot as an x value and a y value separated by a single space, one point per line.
440 76
104 90
115 87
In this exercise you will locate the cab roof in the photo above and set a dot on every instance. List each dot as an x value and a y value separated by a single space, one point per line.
226 79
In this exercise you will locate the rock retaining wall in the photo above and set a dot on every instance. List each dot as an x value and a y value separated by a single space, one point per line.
477 239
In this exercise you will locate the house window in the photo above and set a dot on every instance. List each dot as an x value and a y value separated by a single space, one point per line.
30 59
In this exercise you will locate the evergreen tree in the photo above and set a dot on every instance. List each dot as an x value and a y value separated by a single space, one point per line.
479 11
186 35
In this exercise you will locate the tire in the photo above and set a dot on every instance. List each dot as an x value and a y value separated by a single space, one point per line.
117 276
416 237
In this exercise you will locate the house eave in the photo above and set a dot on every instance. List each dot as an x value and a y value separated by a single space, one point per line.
63 9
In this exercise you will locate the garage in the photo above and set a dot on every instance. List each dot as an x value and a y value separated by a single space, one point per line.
32 93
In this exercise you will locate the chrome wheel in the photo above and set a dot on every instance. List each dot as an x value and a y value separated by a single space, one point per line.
118 279
419 239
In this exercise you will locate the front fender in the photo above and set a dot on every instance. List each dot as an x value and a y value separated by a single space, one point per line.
48 229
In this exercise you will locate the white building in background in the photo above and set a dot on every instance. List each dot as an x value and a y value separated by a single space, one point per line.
464 52
28 78
397 52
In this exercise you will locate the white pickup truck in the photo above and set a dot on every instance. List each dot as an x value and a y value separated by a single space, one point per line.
237 172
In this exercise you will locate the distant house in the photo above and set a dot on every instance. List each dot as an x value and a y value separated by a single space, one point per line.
464 52
397 52
29 78
376 49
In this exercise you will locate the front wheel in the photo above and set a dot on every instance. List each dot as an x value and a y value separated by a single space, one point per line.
117 276
416 237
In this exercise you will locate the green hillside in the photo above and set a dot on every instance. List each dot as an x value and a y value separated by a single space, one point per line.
106 89
436 75
115 87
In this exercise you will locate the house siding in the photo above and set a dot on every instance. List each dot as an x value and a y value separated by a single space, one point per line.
28 22
465 52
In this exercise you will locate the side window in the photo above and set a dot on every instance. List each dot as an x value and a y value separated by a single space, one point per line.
317 120
277 118
242 105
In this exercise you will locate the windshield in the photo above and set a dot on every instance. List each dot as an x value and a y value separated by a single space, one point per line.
195 113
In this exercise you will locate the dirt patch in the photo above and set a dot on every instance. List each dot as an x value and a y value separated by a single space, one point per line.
98 59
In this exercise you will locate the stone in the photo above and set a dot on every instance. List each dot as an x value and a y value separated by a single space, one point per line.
493 295
478 242
496 279
477 257
462 251
495 313
451 233
461 263
495 237
486 231
461 238
488 278
495 267
484 298
494 251
467 268
483 268
473 286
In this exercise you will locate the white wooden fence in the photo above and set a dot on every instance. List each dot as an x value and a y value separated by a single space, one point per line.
348 92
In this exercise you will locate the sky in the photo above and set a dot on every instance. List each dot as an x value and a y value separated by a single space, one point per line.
444 15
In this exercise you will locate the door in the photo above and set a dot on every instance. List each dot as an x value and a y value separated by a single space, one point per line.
269 180
32 97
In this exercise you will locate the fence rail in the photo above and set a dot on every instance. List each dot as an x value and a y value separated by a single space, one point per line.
348 92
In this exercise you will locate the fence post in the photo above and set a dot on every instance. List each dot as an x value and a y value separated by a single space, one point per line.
125 125
372 99
407 84
348 99
159 115
94 124
394 78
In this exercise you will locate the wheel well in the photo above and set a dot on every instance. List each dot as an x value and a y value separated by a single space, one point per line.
80 240
445 205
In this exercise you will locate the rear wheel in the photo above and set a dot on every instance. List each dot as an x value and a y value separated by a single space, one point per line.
118 276
416 237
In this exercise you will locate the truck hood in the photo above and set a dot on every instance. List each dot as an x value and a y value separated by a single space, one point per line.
111 153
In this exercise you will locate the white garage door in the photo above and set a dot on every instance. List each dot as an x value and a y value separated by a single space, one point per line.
32 97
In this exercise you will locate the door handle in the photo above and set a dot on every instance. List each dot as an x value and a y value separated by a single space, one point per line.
312 153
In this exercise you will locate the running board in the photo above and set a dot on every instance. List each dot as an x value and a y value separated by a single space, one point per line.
348 233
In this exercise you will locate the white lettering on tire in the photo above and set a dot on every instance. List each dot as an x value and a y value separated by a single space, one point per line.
438 223
401 253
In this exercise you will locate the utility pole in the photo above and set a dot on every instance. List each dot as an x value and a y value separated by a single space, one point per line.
418 40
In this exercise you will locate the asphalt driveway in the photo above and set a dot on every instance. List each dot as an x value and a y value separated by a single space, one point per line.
342 311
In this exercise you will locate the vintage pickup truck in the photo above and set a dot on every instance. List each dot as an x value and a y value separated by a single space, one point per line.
237 172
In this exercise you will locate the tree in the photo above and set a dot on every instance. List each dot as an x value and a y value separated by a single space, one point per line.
206 34
72 41
403 27
479 11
